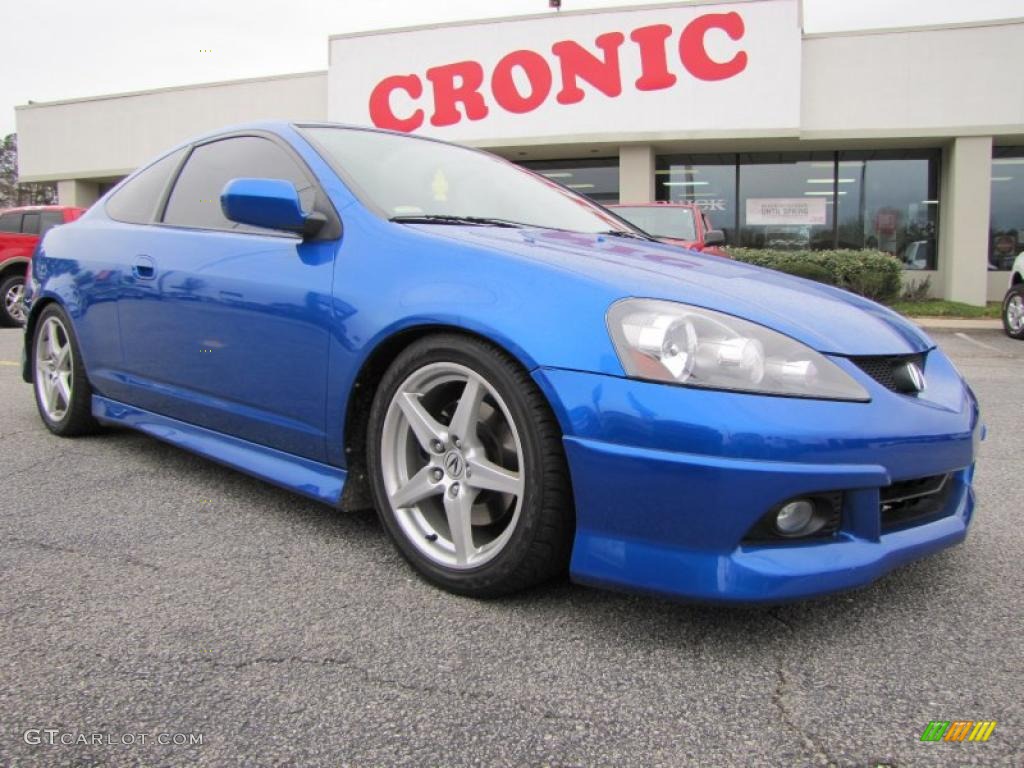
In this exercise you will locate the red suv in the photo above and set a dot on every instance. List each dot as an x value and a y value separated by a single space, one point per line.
20 230
682 224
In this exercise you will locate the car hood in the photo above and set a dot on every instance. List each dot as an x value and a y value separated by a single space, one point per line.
827 319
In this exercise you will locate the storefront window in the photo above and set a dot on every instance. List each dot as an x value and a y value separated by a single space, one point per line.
1006 222
598 178
889 201
786 200
707 180
884 199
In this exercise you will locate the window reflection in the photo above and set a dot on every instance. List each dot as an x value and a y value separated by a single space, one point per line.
707 180
598 178
890 204
880 199
1006 222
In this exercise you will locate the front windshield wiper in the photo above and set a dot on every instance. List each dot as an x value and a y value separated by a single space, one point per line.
627 233
444 218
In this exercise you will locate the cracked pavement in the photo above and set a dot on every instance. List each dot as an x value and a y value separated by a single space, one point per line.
146 590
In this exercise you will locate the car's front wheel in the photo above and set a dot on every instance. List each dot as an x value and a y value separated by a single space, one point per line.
1013 312
467 467
63 394
12 294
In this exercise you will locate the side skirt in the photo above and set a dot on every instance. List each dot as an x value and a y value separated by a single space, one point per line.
304 476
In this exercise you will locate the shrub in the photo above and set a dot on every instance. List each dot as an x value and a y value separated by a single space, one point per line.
873 274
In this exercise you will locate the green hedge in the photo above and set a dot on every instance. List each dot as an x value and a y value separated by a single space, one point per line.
873 274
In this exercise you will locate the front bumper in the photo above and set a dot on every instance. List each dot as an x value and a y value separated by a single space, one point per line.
669 480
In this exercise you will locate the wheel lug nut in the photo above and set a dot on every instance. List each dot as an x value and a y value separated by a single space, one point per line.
457 442
436 474
437 445
454 490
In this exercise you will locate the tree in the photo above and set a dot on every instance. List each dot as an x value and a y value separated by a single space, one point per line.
11 192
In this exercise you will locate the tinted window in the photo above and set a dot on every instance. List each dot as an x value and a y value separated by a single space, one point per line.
407 177
50 220
137 200
1006 219
195 201
30 224
10 222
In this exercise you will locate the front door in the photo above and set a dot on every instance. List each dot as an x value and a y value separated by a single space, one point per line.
226 326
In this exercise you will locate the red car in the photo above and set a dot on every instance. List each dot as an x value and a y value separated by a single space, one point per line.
20 230
682 224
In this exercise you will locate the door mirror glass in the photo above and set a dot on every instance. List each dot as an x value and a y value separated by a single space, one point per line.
714 237
268 203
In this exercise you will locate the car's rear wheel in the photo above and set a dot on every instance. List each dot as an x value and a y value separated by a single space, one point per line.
12 294
1013 312
467 468
63 394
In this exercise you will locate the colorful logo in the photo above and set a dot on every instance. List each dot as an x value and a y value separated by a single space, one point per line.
958 730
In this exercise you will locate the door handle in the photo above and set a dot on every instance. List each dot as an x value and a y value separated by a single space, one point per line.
144 268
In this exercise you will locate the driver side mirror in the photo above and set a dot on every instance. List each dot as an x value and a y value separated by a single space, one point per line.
268 203
714 237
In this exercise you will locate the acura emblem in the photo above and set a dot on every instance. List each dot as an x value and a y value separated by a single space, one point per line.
453 464
910 378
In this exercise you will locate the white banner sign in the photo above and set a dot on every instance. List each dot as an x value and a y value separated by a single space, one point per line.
804 211
691 69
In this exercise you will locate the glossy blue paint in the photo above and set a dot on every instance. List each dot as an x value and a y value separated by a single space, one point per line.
269 203
245 347
317 481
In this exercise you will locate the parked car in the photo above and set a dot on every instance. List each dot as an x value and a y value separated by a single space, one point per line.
20 230
683 224
1013 303
519 382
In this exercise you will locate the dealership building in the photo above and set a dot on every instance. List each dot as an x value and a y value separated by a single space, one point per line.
906 140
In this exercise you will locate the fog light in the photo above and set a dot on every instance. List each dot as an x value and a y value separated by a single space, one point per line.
795 517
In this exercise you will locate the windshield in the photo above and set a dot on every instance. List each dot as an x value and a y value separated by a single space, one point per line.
406 177
676 223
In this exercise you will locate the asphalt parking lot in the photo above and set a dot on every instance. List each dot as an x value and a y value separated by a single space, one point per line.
146 591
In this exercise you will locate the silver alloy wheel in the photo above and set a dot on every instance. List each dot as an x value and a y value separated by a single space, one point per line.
453 465
1015 313
14 302
54 368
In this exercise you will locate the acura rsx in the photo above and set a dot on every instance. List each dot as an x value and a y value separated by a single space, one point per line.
519 381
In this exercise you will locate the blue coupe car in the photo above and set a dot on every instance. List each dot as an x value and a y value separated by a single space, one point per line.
518 380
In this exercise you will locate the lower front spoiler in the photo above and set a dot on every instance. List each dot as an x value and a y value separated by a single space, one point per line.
608 555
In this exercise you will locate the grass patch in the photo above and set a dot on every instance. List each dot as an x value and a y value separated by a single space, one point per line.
940 308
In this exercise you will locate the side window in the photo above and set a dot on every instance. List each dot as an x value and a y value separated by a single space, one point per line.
195 201
136 201
10 222
50 220
30 224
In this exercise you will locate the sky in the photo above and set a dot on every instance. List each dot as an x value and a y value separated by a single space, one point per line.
59 49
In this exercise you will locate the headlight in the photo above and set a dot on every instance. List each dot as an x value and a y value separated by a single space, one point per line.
679 344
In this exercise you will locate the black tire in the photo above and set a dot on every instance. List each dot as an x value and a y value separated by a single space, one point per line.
8 320
77 418
1016 292
541 542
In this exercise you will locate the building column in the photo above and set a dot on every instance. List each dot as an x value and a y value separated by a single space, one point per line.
80 194
636 173
964 219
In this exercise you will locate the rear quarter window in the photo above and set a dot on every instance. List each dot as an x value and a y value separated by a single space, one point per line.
10 222
136 202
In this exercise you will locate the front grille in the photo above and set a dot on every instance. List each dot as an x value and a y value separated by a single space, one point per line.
911 502
882 368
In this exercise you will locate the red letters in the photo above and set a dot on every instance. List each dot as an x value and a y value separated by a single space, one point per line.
447 94
654 74
577 61
504 86
695 55
522 80
380 103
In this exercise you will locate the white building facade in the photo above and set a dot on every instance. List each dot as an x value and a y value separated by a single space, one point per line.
910 141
